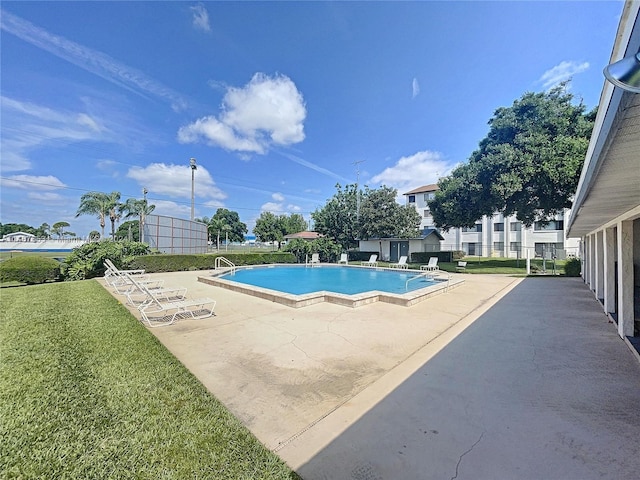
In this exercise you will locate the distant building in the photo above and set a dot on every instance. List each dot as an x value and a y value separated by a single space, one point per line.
498 236
303 235
19 237
391 249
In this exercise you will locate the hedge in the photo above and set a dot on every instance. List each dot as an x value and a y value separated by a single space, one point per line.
423 257
177 263
29 269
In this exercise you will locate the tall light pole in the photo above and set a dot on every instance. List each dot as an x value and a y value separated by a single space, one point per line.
143 213
192 164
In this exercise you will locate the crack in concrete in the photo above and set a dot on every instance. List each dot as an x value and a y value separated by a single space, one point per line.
468 451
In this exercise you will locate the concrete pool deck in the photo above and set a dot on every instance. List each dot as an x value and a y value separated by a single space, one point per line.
501 377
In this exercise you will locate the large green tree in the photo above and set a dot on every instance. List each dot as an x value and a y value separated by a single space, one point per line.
529 164
273 228
267 228
381 216
338 218
225 223
352 214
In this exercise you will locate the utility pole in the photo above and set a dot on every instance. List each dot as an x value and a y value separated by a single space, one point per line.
192 164
143 213
357 164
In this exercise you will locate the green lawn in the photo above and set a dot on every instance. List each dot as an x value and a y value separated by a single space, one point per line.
505 266
87 392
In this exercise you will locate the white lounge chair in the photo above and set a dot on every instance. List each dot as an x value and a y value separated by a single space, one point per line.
432 265
373 261
344 258
402 263
315 259
461 267
113 274
137 295
157 313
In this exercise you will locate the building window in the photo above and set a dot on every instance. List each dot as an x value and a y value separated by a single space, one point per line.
426 213
470 248
514 246
429 196
515 226
476 228
498 227
412 199
498 246
551 225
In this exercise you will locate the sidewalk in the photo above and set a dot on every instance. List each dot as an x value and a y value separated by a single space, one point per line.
539 387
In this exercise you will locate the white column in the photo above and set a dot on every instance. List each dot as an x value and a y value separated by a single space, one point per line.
599 265
592 262
587 260
625 278
609 270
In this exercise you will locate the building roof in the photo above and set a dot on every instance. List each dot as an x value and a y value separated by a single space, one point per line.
424 189
21 234
304 235
430 231
610 179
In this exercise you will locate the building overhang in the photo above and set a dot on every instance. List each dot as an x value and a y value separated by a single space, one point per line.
609 186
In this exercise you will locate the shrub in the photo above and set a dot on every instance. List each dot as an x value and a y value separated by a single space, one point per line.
87 261
29 269
572 267
177 263
459 254
423 257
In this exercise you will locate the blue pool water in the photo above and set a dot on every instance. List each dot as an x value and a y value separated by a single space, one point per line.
347 280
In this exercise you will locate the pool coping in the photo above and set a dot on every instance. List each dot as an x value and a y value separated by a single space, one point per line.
445 281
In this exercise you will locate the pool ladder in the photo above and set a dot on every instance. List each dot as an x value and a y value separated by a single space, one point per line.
431 274
222 262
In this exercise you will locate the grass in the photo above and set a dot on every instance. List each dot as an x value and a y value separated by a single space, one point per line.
504 266
87 392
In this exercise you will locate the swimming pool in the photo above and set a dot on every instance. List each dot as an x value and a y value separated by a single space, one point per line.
354 286
299 280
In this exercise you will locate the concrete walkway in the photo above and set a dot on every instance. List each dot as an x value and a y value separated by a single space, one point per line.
501 378
539 387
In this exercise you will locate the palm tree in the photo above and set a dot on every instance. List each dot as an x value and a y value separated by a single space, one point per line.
114 215
95 203
217 225
102 205
133 207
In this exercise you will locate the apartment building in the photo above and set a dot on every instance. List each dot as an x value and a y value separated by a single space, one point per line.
498 236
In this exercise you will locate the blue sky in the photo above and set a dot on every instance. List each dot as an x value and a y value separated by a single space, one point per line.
277 101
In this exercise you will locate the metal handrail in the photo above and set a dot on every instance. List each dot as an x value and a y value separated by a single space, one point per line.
430 273
228 263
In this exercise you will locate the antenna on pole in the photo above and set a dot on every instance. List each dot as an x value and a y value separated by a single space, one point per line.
357 164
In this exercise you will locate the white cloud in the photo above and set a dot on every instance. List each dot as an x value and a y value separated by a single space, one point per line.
171 209
267 111
32 182
410 172
175 181
415 86
561 72
90 60
279 205
200 18
27 126
48 197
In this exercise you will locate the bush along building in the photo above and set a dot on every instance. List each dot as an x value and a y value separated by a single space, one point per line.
497 235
